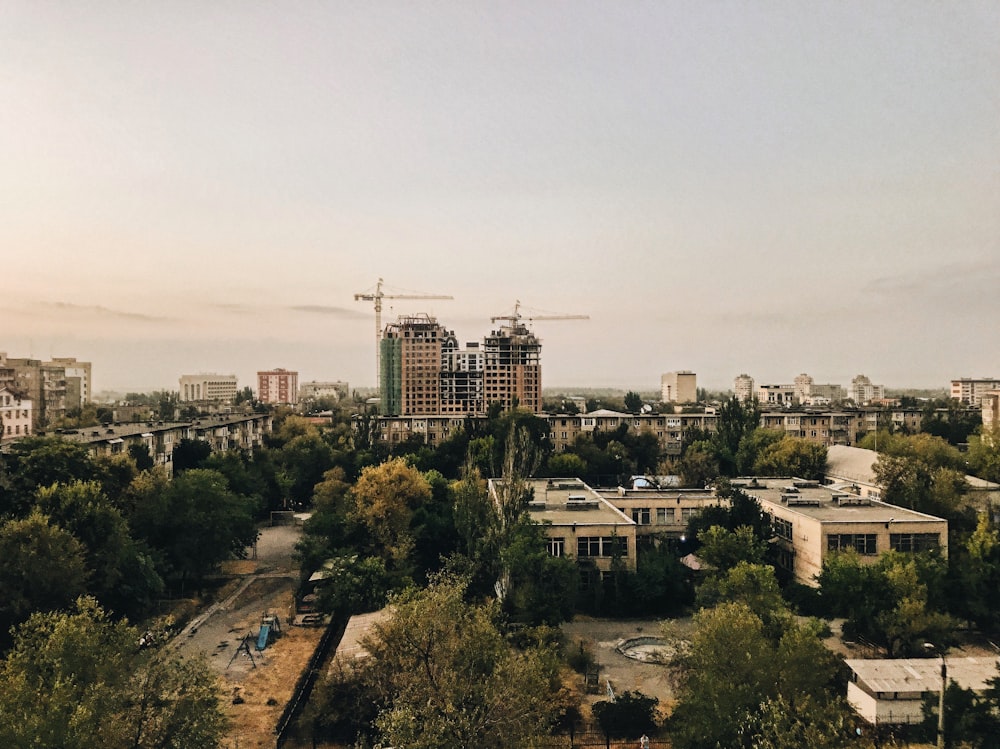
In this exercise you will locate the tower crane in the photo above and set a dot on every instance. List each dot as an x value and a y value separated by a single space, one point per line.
377 296
516 316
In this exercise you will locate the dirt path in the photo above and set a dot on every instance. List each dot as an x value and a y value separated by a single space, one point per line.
258 685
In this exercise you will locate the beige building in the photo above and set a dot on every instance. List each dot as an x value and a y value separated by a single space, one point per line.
313 390
43 383
679 387
512 367
813 521
222 433
207 387
971 390
776 395
79 387
579 523
660 514
991 409
411 366
278 387
15 415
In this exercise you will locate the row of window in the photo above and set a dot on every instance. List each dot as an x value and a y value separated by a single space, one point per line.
865 543
591 546
664 515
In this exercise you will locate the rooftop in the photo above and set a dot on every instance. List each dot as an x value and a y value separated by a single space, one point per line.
922 674
826 503
569 501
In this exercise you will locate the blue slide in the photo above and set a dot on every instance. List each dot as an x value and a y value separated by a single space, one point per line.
265 631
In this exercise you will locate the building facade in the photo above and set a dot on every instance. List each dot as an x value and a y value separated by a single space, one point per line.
679 387
313 390
15 414
207 388
411 366
43 383
512 368
278 387
971 390
863 391
79 386
811 522
743 388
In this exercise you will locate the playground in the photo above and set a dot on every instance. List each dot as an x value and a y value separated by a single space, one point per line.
247 638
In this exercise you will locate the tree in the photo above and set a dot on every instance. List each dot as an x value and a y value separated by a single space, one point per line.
447 677
42 568
723 549
77 680
42 461
629 716
192 522
779 723
123 577
736 421
190 453
792 456
382 504
633 402
735 665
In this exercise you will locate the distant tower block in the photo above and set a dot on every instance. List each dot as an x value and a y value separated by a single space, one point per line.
743 388
679 387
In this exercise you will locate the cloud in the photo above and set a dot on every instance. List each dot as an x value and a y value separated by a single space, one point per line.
105 312
322 309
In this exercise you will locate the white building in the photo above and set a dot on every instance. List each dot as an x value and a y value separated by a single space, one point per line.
207 387
743 388
15 415
863 391
312 390
679 387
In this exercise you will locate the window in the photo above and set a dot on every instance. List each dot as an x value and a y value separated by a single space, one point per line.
689 512
914 541
640 515
601 546
863 543
783 528
556 547
661 516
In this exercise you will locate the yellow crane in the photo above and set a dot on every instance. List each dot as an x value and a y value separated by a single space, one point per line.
377 296
516 316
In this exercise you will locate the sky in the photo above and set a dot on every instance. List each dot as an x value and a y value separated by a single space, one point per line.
767 187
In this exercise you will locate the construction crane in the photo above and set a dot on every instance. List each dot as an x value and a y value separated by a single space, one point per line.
377 296
516 316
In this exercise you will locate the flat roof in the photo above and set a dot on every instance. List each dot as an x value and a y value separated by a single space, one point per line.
569 501
922 674
823 503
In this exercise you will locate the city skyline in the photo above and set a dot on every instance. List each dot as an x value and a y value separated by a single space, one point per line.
775 189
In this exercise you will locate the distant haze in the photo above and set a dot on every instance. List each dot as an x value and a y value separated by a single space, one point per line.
726 187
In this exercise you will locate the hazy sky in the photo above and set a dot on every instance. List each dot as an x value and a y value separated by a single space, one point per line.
763 187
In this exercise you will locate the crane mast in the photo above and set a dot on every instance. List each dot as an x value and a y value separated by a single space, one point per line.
377 296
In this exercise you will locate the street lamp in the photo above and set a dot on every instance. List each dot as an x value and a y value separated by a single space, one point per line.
931 647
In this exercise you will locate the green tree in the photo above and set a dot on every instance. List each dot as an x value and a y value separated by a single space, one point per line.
779 723
735 665
192 522
123 575
984 454
42 461
189 454
42 568
629 716
633 402
447 677
77 680
736 421
723 549
792 456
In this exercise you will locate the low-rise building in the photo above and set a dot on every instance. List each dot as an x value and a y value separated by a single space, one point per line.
580 523
207 388
225 432
660 514
892 691
813 521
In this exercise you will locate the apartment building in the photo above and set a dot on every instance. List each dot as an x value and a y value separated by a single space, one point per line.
971 390
15 414
462 378
863 391
411 366
43 383
278 387
512 367
743 388
203 388
223 432
812 521
679 387
313 390
990 404
79 387
777 395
